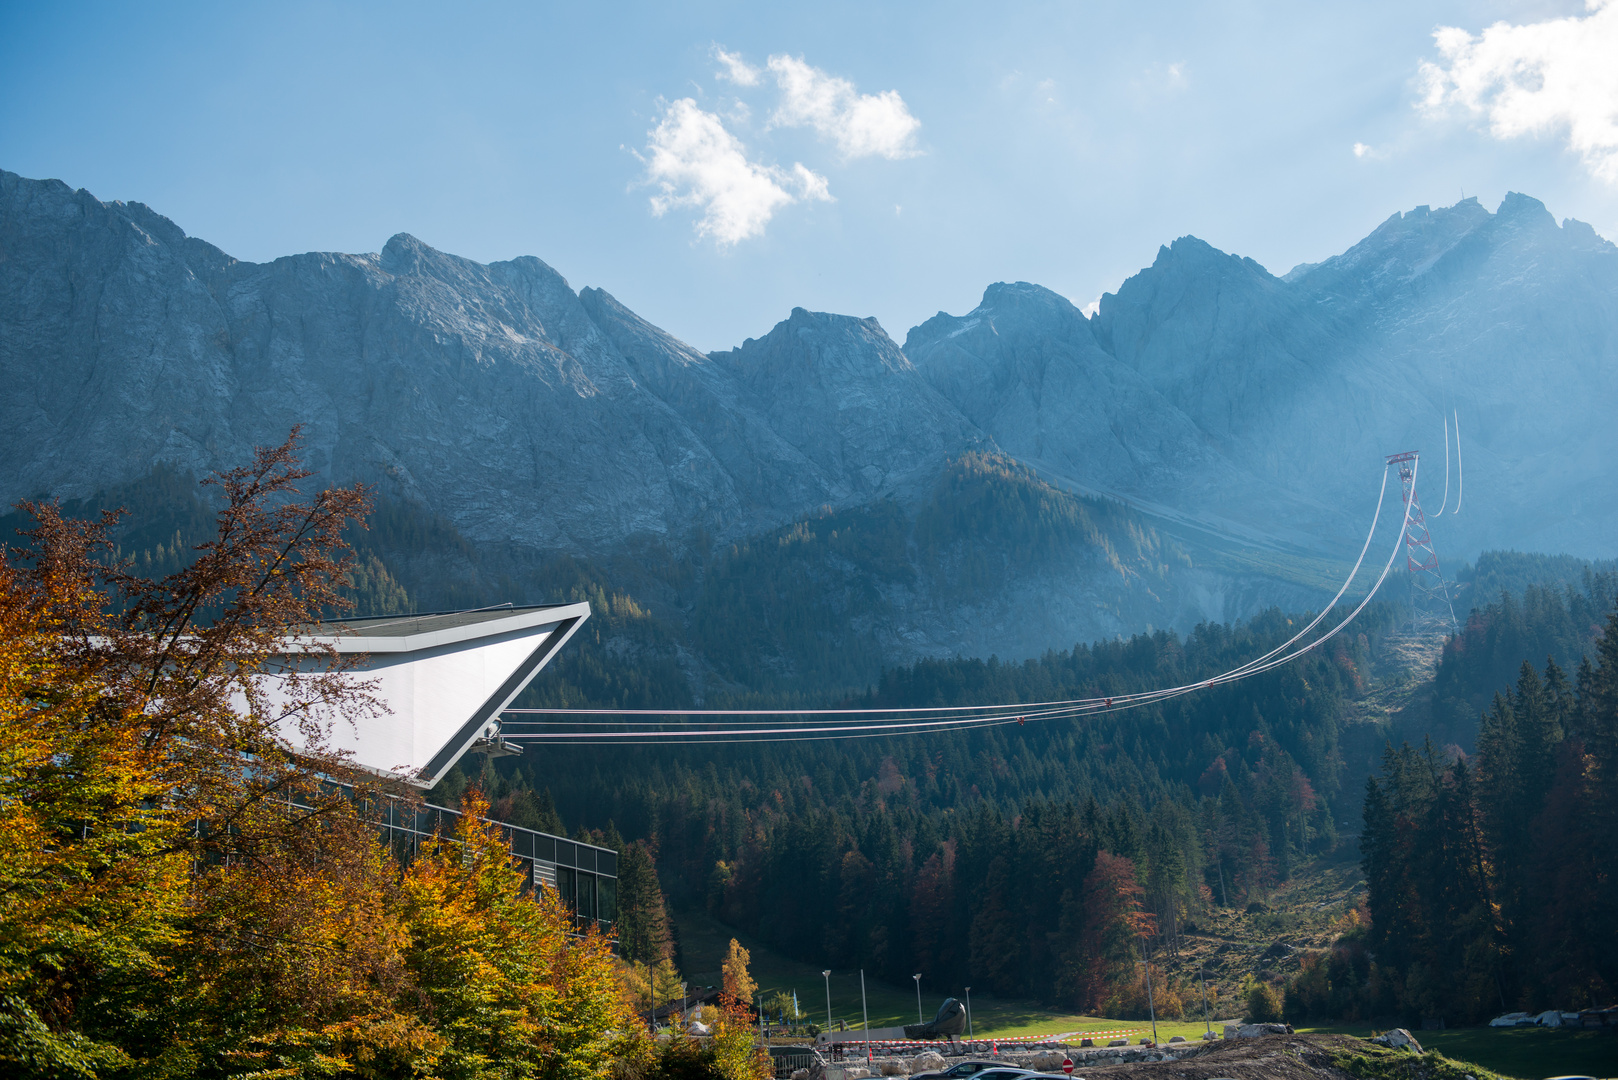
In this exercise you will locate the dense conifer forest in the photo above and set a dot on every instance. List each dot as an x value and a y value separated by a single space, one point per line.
998 857
1490 877
1030 859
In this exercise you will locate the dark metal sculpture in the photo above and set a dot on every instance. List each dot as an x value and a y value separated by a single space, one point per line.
950 1022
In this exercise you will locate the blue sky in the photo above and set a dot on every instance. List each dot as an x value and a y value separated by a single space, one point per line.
714 165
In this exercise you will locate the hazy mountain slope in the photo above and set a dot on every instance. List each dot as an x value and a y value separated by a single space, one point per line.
1025 366
842 392
486 392
1308 381
1245 415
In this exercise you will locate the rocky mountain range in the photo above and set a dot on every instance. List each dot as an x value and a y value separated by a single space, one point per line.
1225 405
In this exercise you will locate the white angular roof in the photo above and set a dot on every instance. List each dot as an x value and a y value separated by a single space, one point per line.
445 676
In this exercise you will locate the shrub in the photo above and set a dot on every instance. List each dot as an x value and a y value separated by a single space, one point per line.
1263 1003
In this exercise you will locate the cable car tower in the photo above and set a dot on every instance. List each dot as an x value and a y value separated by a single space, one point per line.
1429 593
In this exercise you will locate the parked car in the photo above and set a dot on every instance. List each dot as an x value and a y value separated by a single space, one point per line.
960 1070
1005 1072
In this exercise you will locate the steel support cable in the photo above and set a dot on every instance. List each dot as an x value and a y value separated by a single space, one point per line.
1398 545
1460 477
1440 511
1154 697
964 714
978 718
783 734
873 731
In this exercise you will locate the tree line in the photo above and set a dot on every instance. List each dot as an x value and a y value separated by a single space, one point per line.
1026 859
1491 876
182 893
972 857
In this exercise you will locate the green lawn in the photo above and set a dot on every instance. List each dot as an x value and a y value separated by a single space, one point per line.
703 942
1526 1053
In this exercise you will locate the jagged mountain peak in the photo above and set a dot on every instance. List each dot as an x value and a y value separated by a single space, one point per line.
524 411
1194 254
1016 296
818 340
1452 242
1525 208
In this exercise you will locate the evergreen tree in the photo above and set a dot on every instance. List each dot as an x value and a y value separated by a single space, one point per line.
643 923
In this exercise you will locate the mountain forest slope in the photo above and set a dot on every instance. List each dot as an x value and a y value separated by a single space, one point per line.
1220 428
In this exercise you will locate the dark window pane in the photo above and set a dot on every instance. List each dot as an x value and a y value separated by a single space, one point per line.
587 896
567 883
607 892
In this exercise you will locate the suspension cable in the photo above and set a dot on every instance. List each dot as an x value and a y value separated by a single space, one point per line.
959 717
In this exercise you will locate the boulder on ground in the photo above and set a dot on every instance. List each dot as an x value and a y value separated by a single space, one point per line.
1253 1031
1087 1042
697 1027
927 1061
895 1068
1047 1062
1176 1038
1398 1039
1209 1035
1119 1042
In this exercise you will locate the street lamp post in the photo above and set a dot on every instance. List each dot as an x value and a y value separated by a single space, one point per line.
919 1018
1151 1004
968 1012
865 1014
1203 975
827 976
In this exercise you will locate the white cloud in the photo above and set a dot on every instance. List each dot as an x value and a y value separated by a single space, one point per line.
736 69
862 125
1360 149
697 163
1560 75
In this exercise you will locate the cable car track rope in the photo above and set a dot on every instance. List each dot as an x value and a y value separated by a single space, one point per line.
586 727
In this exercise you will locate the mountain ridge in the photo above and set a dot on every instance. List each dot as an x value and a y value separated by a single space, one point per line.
1242 413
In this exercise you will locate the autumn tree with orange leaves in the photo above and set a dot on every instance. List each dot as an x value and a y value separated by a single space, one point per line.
186 886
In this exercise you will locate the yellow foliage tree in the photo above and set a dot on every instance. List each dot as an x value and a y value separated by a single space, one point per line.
181 893
667 986
510 986
128 708
739 985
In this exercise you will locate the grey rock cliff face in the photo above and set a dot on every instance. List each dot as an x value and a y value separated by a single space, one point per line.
1206 391
494 394
1025 366
1307 382
842 393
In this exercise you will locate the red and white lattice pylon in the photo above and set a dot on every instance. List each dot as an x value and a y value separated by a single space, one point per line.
1429 592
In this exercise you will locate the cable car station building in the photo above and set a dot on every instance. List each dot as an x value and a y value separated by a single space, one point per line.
445 678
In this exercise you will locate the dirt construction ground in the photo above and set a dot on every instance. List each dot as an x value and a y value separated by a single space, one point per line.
1294 1057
